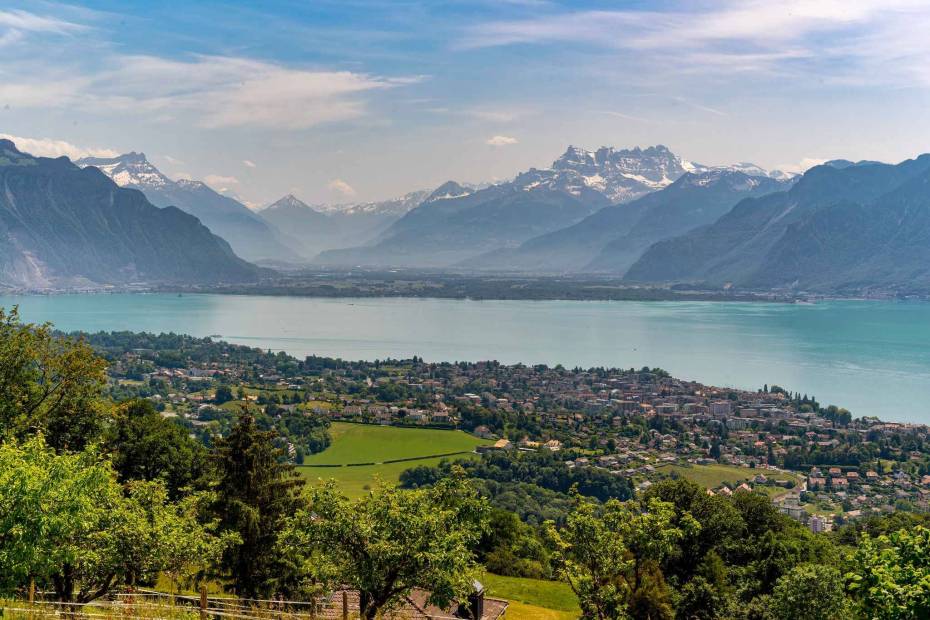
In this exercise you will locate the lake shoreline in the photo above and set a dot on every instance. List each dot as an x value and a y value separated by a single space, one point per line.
871 357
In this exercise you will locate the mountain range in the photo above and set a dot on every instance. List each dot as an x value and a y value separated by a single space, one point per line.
611 239
457 226
842 227
326 227
250 236
643 214
64 226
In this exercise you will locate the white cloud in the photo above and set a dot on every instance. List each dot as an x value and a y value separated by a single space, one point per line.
342 188
172 160
46 147
30 22
15 25
500 140
220 182
248 163
216 91
733 36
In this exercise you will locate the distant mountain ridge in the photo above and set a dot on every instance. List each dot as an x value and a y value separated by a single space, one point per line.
395 207
842 226
249 235
611 239
320 228
457 224
63 226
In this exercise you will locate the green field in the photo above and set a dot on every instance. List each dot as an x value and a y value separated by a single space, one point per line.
367 443
552 595
712 476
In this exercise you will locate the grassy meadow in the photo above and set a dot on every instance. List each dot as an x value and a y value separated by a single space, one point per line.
533 598
366 443
712 476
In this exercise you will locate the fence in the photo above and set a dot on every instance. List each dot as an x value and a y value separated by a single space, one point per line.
141 604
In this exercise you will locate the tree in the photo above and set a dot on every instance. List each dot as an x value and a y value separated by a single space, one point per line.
609 554
891 575
65 521
146 446
810 592
257 491
223 395
390 541
49 383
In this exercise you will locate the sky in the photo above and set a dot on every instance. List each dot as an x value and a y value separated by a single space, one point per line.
357 100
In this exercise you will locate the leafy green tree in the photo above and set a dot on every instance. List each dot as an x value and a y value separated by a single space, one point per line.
390 541
49 383
810 592
720 524
891 575
257 490
511 547
66 522
708 594
609 554
223 394
146 446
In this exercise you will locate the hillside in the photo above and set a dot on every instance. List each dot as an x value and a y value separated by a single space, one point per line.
446 230
249 235
64 226
464 228
611 239
849 227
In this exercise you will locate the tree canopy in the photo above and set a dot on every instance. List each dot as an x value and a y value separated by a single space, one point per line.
390 542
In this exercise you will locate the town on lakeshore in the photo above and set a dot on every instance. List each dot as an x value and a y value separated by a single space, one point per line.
819 464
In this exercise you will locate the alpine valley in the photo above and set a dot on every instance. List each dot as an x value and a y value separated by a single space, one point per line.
641 215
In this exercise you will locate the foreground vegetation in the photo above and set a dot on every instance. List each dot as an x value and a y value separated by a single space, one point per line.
96 495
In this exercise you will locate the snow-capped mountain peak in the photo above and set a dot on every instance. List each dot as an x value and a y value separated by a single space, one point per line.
448 190
393 207
619 174
128 170
622 175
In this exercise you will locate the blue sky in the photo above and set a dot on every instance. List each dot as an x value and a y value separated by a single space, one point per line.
349 100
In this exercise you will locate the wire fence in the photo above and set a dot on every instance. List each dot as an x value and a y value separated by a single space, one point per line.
142 604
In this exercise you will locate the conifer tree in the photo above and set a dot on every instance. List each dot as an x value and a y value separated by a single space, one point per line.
257 491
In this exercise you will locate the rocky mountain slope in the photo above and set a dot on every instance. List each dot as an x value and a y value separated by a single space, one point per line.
63 226
611 239
842 226
250 236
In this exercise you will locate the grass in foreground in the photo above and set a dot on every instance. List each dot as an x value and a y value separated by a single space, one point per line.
522 611
539 593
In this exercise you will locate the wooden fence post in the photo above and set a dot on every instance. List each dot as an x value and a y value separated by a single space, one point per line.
345 605
203 602
32 596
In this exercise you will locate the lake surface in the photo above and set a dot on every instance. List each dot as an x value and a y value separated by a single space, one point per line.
871 357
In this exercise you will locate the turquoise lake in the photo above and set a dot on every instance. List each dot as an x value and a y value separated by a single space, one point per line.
871 357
